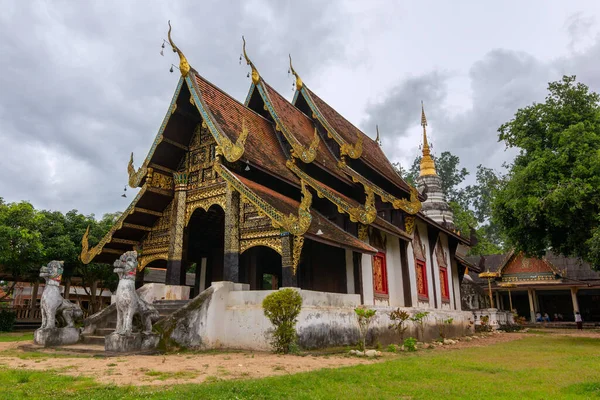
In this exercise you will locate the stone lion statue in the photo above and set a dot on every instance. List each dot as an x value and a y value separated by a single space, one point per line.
54 307
128 302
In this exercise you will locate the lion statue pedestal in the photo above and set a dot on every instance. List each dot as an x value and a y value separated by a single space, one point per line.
128 304
55 310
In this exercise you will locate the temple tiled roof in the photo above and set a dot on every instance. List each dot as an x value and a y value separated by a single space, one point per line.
262 147
303 130
330 233
372 154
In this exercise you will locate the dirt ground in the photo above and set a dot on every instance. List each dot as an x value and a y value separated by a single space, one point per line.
204 366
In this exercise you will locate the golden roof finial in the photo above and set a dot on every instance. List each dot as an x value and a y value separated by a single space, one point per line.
184 66
377 139
298 80
255 75
427 164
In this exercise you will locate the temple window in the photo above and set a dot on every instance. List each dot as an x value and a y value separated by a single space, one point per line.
444 284
380 280
422 280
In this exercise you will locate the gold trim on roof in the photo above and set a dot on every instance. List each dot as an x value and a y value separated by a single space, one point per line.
427 164
255 74
411 206
364 214
184 66
299 83
296 225
135 177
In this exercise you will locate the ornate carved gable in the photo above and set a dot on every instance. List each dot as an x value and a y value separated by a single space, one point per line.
157 240
201 157
418 247
440 254
520 267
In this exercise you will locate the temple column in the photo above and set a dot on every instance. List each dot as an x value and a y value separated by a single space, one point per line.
350 272
288 277
231 258
174 262
531 304
574 299
498 305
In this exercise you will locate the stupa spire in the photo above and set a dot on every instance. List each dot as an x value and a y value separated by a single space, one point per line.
427 164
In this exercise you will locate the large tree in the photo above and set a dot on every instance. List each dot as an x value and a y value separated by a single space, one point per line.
551 197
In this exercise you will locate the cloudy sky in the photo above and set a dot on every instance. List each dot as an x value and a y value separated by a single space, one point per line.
82 84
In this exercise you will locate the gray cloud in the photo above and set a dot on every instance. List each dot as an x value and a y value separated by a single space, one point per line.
83 83
501 82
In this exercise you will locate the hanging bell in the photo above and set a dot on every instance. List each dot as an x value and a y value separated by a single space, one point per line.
162 53
240 59
248 75
247 167
123 195
163 45
171 70
289 72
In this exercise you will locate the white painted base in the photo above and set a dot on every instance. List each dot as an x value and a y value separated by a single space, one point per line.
159 291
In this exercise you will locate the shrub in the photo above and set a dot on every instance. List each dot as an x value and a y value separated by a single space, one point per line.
391 348
510 328
7 320
282 309
484 326
419 320
399 318
364 316
443 324
410 344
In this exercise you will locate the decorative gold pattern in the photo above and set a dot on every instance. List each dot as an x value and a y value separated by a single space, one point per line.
205 199
363 232
184 66
273 242
144 260
297 252
364 214
255 74
158 180
296 225
409 224
158 237
177 224
135 177
427 164
233 151
411 206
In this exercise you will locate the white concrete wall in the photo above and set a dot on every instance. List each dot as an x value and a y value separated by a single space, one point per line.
350 272
367 279
394 271
231 316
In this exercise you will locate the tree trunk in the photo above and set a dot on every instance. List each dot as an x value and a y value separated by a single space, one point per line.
34 294
93 297
67 289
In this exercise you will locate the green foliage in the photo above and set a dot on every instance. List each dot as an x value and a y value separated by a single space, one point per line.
282 308
7 320
510 327
399 318
443 324
364 317
419 320
410 344
551 196
391 348
484 326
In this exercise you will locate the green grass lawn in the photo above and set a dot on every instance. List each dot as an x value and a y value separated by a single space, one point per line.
15 336
536 367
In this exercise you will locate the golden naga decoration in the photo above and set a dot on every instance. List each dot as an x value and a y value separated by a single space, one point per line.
364 214
184 66
296 225
298 80
363 232
377 139
307 155
255 74
231 151
353 151
427 164
135 177
411 206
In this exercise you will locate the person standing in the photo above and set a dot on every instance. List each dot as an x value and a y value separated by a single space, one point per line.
578 320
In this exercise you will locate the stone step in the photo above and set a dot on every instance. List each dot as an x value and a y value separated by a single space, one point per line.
104 331
93 339
177 303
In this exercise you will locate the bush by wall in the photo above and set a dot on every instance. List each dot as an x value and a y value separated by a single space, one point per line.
7 320
282 308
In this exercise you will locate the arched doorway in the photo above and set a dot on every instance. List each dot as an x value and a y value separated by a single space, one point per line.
205 244
260 266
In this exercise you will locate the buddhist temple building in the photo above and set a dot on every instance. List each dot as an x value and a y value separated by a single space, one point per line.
270 193
554 285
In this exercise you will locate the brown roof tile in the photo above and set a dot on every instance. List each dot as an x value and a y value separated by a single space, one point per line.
262 146
372 153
